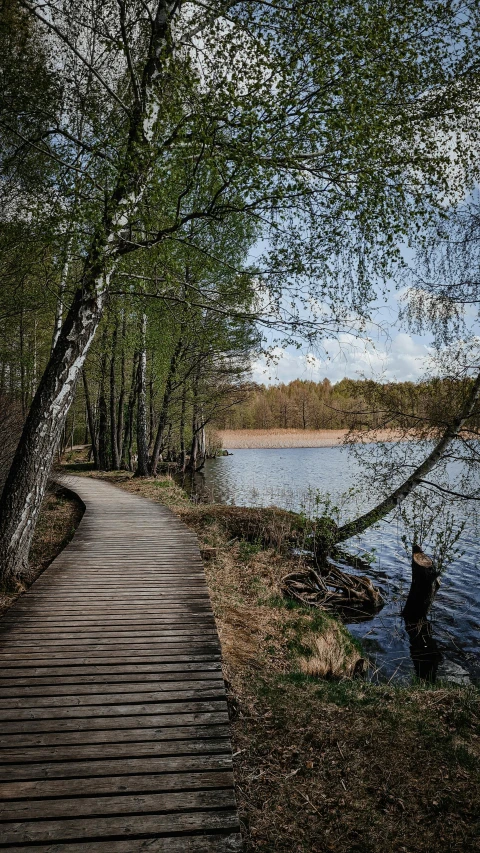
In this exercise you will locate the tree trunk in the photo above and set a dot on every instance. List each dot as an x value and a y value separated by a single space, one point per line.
91 419
168 449
57 326
113 410
23 392
121 396
197 452
423 589
183 450
27 479
359 525
86 431
151 406
142 444
126 461
167 395
192 462
72 434
103 460
26 482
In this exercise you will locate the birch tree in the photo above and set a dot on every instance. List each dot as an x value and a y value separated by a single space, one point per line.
26 482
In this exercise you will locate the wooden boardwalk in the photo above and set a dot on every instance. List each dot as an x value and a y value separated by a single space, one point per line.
114 731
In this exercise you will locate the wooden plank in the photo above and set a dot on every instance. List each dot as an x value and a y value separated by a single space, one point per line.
125 632
126 685
43 625
160 650
114 658
122 700
12 759
28 674
125 730
146 765
169 711
157 803
133 638
38 684
161 824
117 804
231 843
195 711
203 779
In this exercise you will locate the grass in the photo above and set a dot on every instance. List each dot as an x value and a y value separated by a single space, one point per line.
324 763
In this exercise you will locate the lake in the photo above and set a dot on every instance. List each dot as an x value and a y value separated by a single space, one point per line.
288 478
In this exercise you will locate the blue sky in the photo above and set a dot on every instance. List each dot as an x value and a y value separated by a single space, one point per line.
399 358
387 352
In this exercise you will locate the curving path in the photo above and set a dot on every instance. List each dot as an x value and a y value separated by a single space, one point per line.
113 719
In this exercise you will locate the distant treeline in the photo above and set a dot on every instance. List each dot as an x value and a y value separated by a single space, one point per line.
362 404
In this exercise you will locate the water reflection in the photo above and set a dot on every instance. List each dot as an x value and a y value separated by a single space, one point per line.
424 650
289 478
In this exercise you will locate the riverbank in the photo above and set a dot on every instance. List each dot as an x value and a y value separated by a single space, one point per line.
250 439
324 764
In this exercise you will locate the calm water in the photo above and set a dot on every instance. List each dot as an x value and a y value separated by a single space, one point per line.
284 478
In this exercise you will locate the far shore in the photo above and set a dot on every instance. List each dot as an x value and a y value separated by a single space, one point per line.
238 439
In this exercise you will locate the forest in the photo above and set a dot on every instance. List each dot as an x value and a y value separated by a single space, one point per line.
353 404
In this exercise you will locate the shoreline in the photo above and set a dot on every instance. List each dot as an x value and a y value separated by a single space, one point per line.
257 439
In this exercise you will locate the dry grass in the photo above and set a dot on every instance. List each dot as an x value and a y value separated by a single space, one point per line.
59 517
325 764
350 767
236 439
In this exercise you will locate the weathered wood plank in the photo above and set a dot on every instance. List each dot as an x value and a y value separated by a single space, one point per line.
161 824
104 688
144 765
105 697
35 789
114 658
28 674
195 711
231 843
157 803
126 730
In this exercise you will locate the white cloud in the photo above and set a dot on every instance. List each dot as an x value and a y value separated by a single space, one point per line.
404 359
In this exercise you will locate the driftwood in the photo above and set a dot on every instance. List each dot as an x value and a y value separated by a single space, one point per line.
333 590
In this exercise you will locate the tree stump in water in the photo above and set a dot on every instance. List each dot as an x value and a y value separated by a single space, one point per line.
423 589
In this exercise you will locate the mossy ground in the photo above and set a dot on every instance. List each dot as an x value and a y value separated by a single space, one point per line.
326 764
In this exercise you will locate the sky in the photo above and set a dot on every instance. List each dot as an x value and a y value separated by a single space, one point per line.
386 352
402 357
